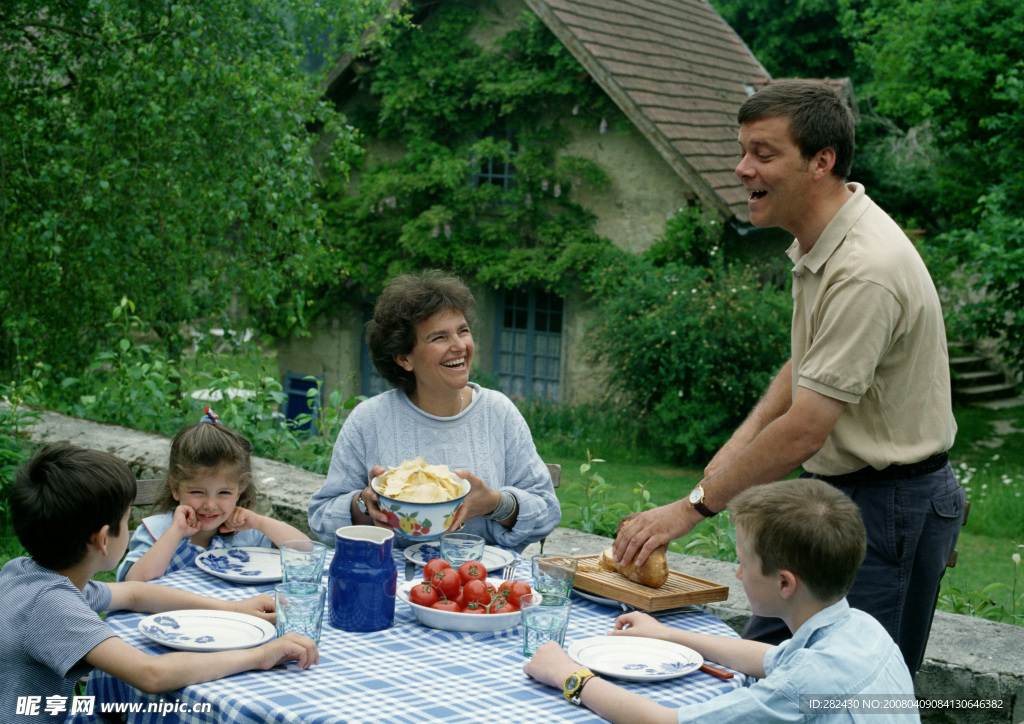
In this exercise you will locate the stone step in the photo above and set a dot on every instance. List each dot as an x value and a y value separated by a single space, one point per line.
978 377
986 392
968 362
1001 403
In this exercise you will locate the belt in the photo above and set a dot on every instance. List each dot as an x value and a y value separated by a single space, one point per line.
893 472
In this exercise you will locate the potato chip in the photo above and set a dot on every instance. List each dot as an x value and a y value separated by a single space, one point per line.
416 482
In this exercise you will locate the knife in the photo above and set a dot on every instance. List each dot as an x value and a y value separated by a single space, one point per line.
410 570
715 671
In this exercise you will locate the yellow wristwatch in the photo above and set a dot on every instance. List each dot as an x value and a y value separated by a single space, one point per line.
573 686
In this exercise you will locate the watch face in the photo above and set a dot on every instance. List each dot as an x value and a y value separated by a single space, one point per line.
572 682
696 495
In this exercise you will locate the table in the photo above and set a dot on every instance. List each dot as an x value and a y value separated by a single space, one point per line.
408 673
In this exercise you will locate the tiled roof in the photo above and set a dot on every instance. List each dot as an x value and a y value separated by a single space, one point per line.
678 72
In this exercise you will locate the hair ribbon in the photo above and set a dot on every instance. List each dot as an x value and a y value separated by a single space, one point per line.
210 417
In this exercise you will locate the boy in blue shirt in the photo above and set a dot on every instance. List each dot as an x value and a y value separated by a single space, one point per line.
799 544
70 507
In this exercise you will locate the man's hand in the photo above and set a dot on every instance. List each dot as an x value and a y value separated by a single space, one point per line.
641 533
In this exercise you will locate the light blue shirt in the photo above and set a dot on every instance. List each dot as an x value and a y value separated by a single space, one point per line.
151 528
489 438
838 653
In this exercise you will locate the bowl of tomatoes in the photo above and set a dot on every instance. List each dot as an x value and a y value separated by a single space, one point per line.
463 599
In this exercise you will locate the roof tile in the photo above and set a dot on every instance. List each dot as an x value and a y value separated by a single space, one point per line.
677 70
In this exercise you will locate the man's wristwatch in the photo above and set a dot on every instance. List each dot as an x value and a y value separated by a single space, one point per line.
697 501
573 686
361 504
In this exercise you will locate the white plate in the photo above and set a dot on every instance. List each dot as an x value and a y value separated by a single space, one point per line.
635 658
610 602
242 565
494 558
200 630
448 621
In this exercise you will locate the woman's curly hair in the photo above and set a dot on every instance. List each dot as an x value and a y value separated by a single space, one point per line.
405 302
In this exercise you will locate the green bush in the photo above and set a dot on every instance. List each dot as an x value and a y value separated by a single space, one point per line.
565 430
992 257
694 347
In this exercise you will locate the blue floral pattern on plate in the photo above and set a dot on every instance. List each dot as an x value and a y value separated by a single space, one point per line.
202 630
242 565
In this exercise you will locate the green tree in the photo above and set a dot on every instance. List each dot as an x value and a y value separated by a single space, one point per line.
939 74
162 151
803 39
691 340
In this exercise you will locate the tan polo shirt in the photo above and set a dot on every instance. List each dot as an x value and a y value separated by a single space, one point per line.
868 330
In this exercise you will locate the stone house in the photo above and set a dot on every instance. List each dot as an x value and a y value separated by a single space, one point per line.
678 73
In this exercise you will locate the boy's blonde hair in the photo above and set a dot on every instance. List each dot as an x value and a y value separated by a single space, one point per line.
206 446
805 526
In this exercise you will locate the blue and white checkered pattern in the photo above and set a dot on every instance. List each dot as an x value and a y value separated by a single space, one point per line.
407 673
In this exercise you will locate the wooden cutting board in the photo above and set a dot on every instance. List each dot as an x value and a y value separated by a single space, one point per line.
679 590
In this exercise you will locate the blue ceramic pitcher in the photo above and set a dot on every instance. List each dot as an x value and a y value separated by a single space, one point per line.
363 579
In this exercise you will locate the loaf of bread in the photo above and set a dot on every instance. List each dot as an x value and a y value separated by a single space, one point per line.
653 573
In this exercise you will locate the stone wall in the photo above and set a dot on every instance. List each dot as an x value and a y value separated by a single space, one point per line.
967 659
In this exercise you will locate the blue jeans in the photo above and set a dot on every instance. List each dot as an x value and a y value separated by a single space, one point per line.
912 526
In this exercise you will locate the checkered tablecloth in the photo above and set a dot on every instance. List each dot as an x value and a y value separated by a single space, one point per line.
407 673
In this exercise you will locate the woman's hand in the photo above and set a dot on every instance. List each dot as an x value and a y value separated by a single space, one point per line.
185 521
481 500
374 515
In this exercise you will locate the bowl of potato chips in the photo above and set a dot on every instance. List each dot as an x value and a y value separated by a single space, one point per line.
420 500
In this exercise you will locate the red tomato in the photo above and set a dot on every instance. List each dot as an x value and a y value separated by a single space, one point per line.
461 598
472 571
516 590
476 592
433 566
474 607
500 605
423 594
447 579
447 606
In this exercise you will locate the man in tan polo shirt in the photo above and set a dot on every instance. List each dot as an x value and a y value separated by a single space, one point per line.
864 402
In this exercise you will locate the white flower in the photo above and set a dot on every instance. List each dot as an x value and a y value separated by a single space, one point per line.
604 126
447 231
576 109
673 333
558 190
